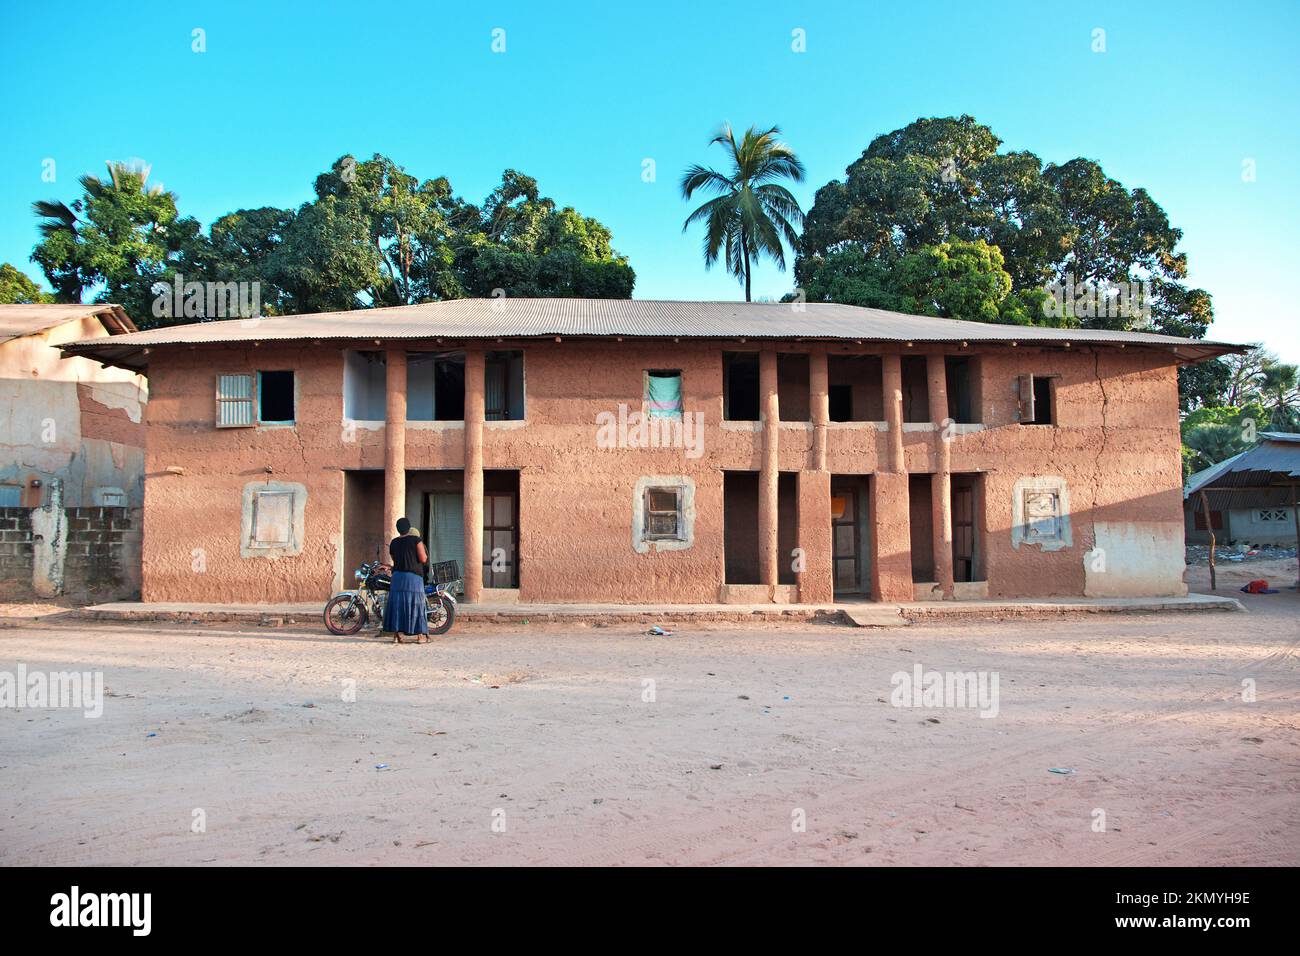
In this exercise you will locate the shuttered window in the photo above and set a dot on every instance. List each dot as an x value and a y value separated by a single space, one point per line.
235 401
1042 511
1036 400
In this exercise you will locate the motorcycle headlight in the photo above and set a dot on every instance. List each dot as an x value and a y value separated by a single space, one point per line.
359 575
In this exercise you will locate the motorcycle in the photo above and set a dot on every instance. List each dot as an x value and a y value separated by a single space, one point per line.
347 612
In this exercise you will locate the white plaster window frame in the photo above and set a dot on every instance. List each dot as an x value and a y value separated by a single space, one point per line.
1021 522
685 488
248 547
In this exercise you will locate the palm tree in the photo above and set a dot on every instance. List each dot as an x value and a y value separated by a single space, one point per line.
1277 389
59 219
752 212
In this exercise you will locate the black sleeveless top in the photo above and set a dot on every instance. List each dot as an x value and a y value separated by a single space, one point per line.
403 549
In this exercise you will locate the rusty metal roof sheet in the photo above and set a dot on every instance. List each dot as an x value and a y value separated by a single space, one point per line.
20 320
634 318
1274 461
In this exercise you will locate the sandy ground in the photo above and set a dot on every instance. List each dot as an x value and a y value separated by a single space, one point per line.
544 733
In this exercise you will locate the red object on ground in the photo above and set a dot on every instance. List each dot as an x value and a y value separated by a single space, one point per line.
1258 586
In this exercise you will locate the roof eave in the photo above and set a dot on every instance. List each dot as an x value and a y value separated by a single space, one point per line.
134 358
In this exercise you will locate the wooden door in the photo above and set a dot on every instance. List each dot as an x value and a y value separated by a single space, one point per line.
845 540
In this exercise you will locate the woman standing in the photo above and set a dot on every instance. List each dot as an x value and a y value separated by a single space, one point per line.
405 613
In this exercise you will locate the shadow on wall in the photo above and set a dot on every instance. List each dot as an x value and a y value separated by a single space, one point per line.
1094 552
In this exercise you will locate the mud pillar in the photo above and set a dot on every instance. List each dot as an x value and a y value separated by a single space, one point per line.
474 384
394 444
892 379
769 473
941 480
814 569
819 404
891 541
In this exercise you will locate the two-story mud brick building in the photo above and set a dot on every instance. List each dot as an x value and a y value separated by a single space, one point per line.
660 452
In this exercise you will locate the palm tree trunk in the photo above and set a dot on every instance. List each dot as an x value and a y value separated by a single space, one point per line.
747 277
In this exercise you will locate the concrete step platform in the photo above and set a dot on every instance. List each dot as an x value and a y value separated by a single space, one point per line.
858 614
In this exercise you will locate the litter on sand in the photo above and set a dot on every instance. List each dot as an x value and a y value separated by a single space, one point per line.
658 631
1258 586
1060 770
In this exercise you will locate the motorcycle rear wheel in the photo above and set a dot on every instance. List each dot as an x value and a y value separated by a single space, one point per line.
345 615
442 614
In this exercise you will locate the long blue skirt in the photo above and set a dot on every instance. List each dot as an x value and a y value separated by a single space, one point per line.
406 611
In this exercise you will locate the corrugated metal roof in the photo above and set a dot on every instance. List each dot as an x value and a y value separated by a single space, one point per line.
19 320
1275 460
634 318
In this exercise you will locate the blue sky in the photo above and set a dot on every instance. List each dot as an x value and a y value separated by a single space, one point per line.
585 92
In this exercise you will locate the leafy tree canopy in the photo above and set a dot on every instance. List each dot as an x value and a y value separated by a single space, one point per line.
18 288
372 236
942 181
115 241
1264 395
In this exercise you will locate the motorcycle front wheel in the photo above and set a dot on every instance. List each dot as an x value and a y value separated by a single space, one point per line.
345 614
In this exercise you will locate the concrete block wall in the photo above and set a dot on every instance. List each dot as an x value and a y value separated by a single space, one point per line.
101 557
15 551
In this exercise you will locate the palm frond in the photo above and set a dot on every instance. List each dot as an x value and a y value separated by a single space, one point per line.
753 215
701 177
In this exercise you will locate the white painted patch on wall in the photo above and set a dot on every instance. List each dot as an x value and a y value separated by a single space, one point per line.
49 542
123 395
1135 559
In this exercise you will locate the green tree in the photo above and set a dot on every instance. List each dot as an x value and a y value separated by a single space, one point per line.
377 236
752 215
1209 444
959 279
956 279
520 243
940 180
18 288
1205 385
1213 434
1279 395
118 239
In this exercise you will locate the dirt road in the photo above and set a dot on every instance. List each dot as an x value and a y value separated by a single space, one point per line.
548 745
